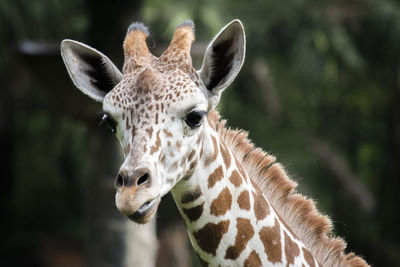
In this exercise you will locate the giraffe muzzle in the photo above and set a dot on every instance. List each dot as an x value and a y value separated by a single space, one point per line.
137 196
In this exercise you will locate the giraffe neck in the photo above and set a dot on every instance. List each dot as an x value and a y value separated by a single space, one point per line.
229 220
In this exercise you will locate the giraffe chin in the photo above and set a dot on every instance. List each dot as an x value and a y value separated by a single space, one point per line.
145 212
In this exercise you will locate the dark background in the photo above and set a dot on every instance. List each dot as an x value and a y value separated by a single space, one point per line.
320 89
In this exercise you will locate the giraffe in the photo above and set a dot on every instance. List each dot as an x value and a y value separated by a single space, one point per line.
239 205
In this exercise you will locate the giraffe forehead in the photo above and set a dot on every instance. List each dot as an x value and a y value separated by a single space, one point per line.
152 87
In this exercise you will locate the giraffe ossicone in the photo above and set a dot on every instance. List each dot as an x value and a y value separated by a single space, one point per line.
238 204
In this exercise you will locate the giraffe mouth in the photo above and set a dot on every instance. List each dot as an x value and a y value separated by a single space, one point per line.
145 212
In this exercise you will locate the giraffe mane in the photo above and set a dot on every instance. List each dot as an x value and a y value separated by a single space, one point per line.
296 210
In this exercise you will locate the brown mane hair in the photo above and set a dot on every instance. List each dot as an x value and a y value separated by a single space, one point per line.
297 211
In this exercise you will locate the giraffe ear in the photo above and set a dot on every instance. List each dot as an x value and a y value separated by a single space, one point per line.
223 58
90 70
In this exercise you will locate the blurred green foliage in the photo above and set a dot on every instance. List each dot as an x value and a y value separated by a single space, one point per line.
49 179
43 19
50 160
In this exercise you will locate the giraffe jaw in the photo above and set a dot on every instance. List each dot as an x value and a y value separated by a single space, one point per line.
145 212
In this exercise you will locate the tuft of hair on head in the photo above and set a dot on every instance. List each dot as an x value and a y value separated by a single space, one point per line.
181 43
135 45
187 23
138 26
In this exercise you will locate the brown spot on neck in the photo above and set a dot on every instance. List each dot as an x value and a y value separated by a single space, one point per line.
235 179
191 195
291 249
253 260
209 237
193 213
244 200
261 207
222 203
244 233
215 177
271 238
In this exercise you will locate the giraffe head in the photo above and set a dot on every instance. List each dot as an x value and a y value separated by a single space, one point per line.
157 106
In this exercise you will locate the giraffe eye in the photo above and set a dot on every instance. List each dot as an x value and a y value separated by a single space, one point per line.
194 118
106 119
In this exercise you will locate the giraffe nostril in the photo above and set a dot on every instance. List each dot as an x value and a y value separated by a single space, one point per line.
143 179
119 182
